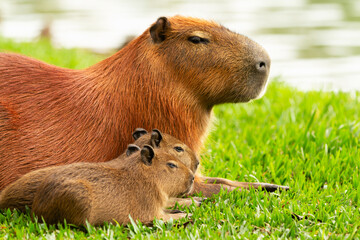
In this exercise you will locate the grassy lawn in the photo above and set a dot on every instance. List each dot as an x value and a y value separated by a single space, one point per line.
306 140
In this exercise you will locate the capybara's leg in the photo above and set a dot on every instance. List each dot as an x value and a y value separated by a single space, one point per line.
21 194
264 186
68 200
174 214
185 201
209 186
208 189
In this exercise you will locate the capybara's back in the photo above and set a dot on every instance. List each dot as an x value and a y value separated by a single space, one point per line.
168 78
45 114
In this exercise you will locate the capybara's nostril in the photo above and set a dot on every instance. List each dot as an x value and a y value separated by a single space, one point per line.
262 66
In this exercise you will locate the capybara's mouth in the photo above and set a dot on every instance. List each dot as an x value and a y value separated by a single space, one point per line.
190 188
260 90
256 88
263 90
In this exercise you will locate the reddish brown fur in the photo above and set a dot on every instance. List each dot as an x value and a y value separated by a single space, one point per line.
52 116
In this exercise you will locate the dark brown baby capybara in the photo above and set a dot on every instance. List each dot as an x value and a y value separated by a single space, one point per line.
179 68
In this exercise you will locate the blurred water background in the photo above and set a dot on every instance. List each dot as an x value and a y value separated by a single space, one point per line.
314 44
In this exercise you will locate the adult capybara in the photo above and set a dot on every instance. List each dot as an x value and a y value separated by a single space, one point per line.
138 184
169 78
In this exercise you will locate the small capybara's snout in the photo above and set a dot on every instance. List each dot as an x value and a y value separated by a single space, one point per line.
191 183
192 177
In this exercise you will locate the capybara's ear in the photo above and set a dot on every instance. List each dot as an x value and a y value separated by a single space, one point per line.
156 138
147 154
138 133
158 29
131 149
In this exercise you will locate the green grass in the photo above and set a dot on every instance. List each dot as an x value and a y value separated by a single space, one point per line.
306 140
43 49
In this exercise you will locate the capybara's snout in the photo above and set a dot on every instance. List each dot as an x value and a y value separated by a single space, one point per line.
259 66
262 64
191 183
192 177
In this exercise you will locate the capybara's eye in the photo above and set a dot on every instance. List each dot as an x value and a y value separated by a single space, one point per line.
172 165
179 149
196 40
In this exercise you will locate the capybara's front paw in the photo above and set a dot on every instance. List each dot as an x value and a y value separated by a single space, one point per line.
198 200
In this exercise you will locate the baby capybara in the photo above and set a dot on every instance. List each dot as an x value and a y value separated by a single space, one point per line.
22 194
139 185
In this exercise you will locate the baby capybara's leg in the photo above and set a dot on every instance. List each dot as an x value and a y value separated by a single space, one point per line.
174 214
68 200
206 189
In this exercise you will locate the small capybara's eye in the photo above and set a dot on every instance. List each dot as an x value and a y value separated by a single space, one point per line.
197 40
179 149
171 165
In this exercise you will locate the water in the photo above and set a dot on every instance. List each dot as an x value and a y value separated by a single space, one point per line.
314 44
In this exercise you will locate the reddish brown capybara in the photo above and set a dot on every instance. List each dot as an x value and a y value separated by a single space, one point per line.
169 78
139 183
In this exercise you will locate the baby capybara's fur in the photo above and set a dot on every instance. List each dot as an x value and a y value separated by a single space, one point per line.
139 183
179 69
21 193
169 144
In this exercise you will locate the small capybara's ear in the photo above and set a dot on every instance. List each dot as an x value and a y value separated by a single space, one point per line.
158 30
138 133
156 138
131 149
147 154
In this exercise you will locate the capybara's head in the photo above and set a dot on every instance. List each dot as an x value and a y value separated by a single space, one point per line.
170 174
208 59
168 143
